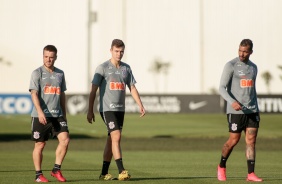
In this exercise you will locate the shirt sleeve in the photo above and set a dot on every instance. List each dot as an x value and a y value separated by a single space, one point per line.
225 80
98 76
63 85
130 80
34 81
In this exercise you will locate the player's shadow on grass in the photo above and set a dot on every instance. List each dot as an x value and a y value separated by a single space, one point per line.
82 169
143 179
68 170
21 137
12 171
173 178
201 177
163 136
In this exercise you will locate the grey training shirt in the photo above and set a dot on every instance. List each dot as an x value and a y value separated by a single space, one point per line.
238 83
49 87
112 83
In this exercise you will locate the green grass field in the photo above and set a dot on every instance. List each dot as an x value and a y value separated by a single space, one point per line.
159 148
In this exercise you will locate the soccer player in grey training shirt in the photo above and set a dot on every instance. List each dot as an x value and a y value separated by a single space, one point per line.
112 77
47 88
238 88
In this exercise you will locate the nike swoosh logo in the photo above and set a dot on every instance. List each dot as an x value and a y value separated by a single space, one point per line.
44 78
193 105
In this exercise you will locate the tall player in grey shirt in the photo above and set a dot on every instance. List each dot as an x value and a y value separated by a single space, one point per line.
47 87
112 77
238 88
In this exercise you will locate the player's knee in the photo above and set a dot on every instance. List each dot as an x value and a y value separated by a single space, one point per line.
116 136
66 141
251 141
232 142
116 140
39 145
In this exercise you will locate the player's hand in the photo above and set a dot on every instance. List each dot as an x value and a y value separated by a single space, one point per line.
42 118
90 117
236 106
142 111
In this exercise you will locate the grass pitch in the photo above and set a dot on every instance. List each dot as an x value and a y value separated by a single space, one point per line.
159 148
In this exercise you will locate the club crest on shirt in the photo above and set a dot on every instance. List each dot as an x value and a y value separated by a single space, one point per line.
36 135
234 127
111 125
59 77
123 72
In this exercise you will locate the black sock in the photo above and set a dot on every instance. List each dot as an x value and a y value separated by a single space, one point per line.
223 161
119 165
38 173
105 167
251 166
56 168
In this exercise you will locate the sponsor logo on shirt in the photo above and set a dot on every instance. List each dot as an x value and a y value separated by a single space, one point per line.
117 86
53 111
113 106
52 90
245 83
241 72
248 107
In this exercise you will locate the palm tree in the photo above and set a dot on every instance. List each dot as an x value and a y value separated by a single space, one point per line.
267 77
4 62
159 67
280 67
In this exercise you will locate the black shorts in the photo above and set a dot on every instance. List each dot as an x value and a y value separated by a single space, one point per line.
113 120
239 122
54 126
